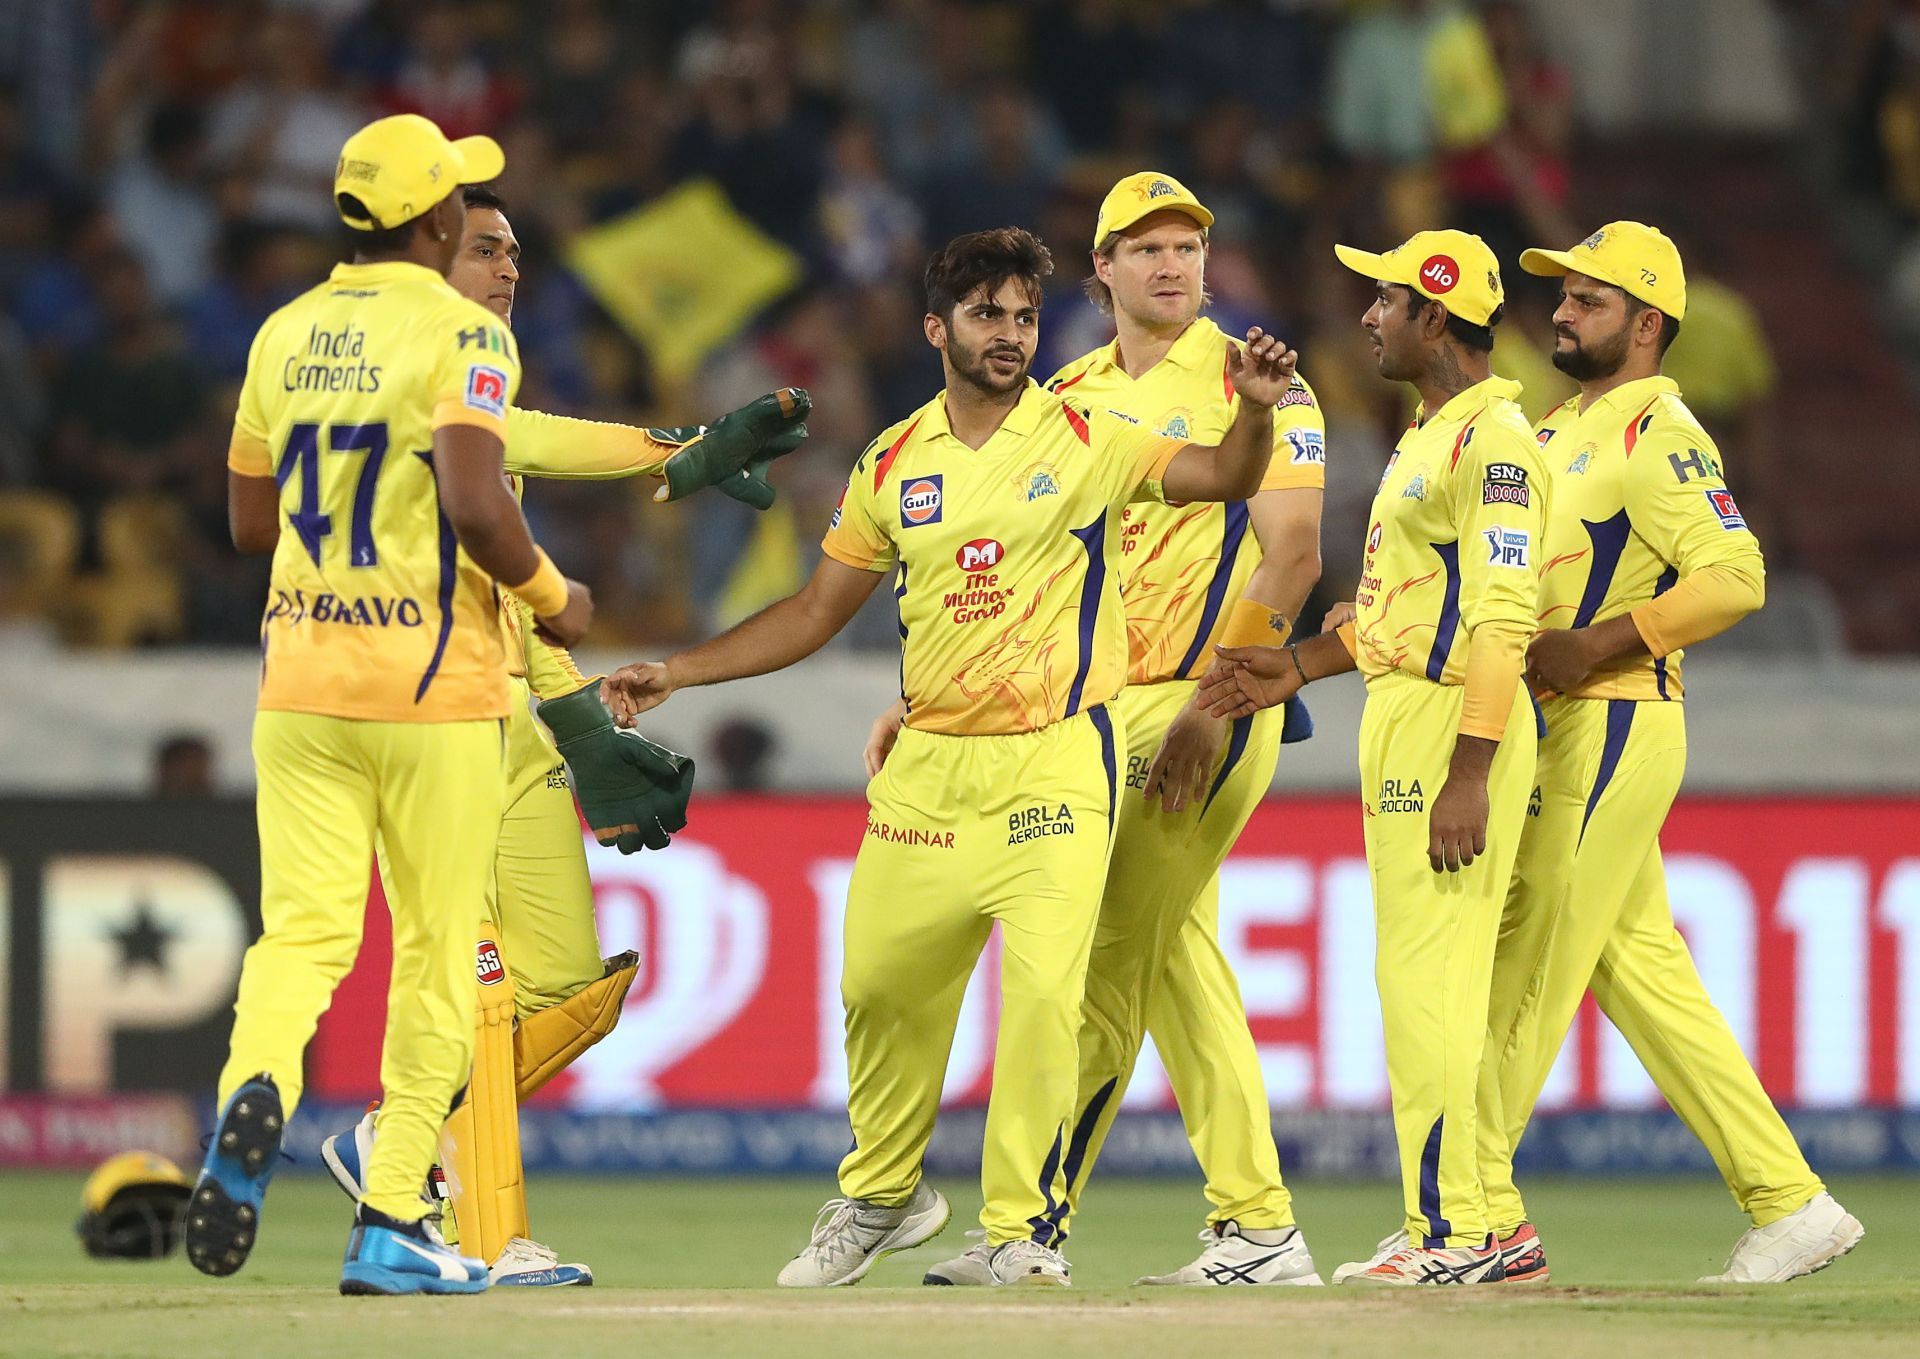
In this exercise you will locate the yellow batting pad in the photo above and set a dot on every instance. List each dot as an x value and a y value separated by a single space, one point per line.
549 1040
480 1141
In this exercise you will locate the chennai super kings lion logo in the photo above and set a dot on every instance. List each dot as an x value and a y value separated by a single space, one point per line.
1175 426
1043 478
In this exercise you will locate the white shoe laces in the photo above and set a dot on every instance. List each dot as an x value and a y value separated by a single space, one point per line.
836 1231
520 1248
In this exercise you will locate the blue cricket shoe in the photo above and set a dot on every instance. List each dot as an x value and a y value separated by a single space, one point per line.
223 1216
388 1256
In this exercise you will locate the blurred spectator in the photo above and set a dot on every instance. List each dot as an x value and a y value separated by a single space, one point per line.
1409 76
129 410
23 406
443 76
263 268
278 133
1002 174
743 748
162 206
183 767
870 228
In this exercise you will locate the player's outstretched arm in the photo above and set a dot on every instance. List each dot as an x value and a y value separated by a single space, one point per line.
486 518
776 637
1231 469
566 448
1249 678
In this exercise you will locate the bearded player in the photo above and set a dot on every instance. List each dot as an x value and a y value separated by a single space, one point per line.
1190 576
1646 553
1000 505
1449 591
546 995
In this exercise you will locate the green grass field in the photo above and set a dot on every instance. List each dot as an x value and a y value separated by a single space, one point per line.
686 1268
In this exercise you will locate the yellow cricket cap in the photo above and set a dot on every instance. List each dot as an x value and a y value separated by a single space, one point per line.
399 167
1452 267
1629 255
1138 195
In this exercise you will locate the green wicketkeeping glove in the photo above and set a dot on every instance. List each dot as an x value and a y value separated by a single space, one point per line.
734 451
634 793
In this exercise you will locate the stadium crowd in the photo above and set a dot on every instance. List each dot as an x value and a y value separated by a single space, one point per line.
164 173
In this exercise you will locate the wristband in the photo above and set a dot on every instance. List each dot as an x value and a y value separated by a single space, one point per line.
545 590
1251 623
1293 650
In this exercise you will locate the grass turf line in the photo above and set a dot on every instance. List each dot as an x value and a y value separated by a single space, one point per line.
686 1267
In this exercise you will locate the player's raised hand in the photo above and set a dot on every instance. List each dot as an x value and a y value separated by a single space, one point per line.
733 453
1183 766
1263 370
880 739
633 689
567 627
1247 679
1339 616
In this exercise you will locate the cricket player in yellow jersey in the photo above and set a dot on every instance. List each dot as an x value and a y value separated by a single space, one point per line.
1449 589
367 454
1000 505
546 993
1646 553
1190 575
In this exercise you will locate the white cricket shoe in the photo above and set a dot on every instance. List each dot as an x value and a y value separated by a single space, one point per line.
1805 1241
972 1267
850 1235
1029 1264
1427 1266
1241 1255
528 1264
1388 1246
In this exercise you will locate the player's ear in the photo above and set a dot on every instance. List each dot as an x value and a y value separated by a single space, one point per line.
936 330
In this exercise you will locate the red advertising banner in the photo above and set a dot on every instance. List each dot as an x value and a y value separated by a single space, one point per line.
1803 916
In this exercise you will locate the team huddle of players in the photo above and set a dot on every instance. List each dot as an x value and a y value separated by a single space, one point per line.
1095 581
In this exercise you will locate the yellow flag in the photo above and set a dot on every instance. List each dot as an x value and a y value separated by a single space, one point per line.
768 570
683 274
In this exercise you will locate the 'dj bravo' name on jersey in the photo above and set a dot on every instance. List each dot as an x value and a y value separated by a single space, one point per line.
293 606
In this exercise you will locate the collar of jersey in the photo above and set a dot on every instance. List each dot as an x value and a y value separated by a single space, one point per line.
1457 407
384 271
1636 393
1023 419
1185 352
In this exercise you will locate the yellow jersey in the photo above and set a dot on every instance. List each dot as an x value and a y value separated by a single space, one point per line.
1453 539
563 448
1183 566
1009 605
1639 502
374 611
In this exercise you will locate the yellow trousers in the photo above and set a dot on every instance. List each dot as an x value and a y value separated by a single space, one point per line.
1434 938
542 898
965 832
1588 908
327 788
1157 968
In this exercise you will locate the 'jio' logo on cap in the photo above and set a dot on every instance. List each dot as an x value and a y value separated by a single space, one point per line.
1439 273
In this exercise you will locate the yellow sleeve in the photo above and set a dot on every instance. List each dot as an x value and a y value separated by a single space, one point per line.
551 672
562 448
1679 503
247 450
1500 504
1299 442
1131 455
478 372
856 535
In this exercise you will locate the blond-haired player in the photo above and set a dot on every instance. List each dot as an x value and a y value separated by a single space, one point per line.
546 995
367 454
1191 575
999 504
1646 553
1449 587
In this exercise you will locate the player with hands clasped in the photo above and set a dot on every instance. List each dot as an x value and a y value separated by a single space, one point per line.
1646 553
1449 590
998 507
